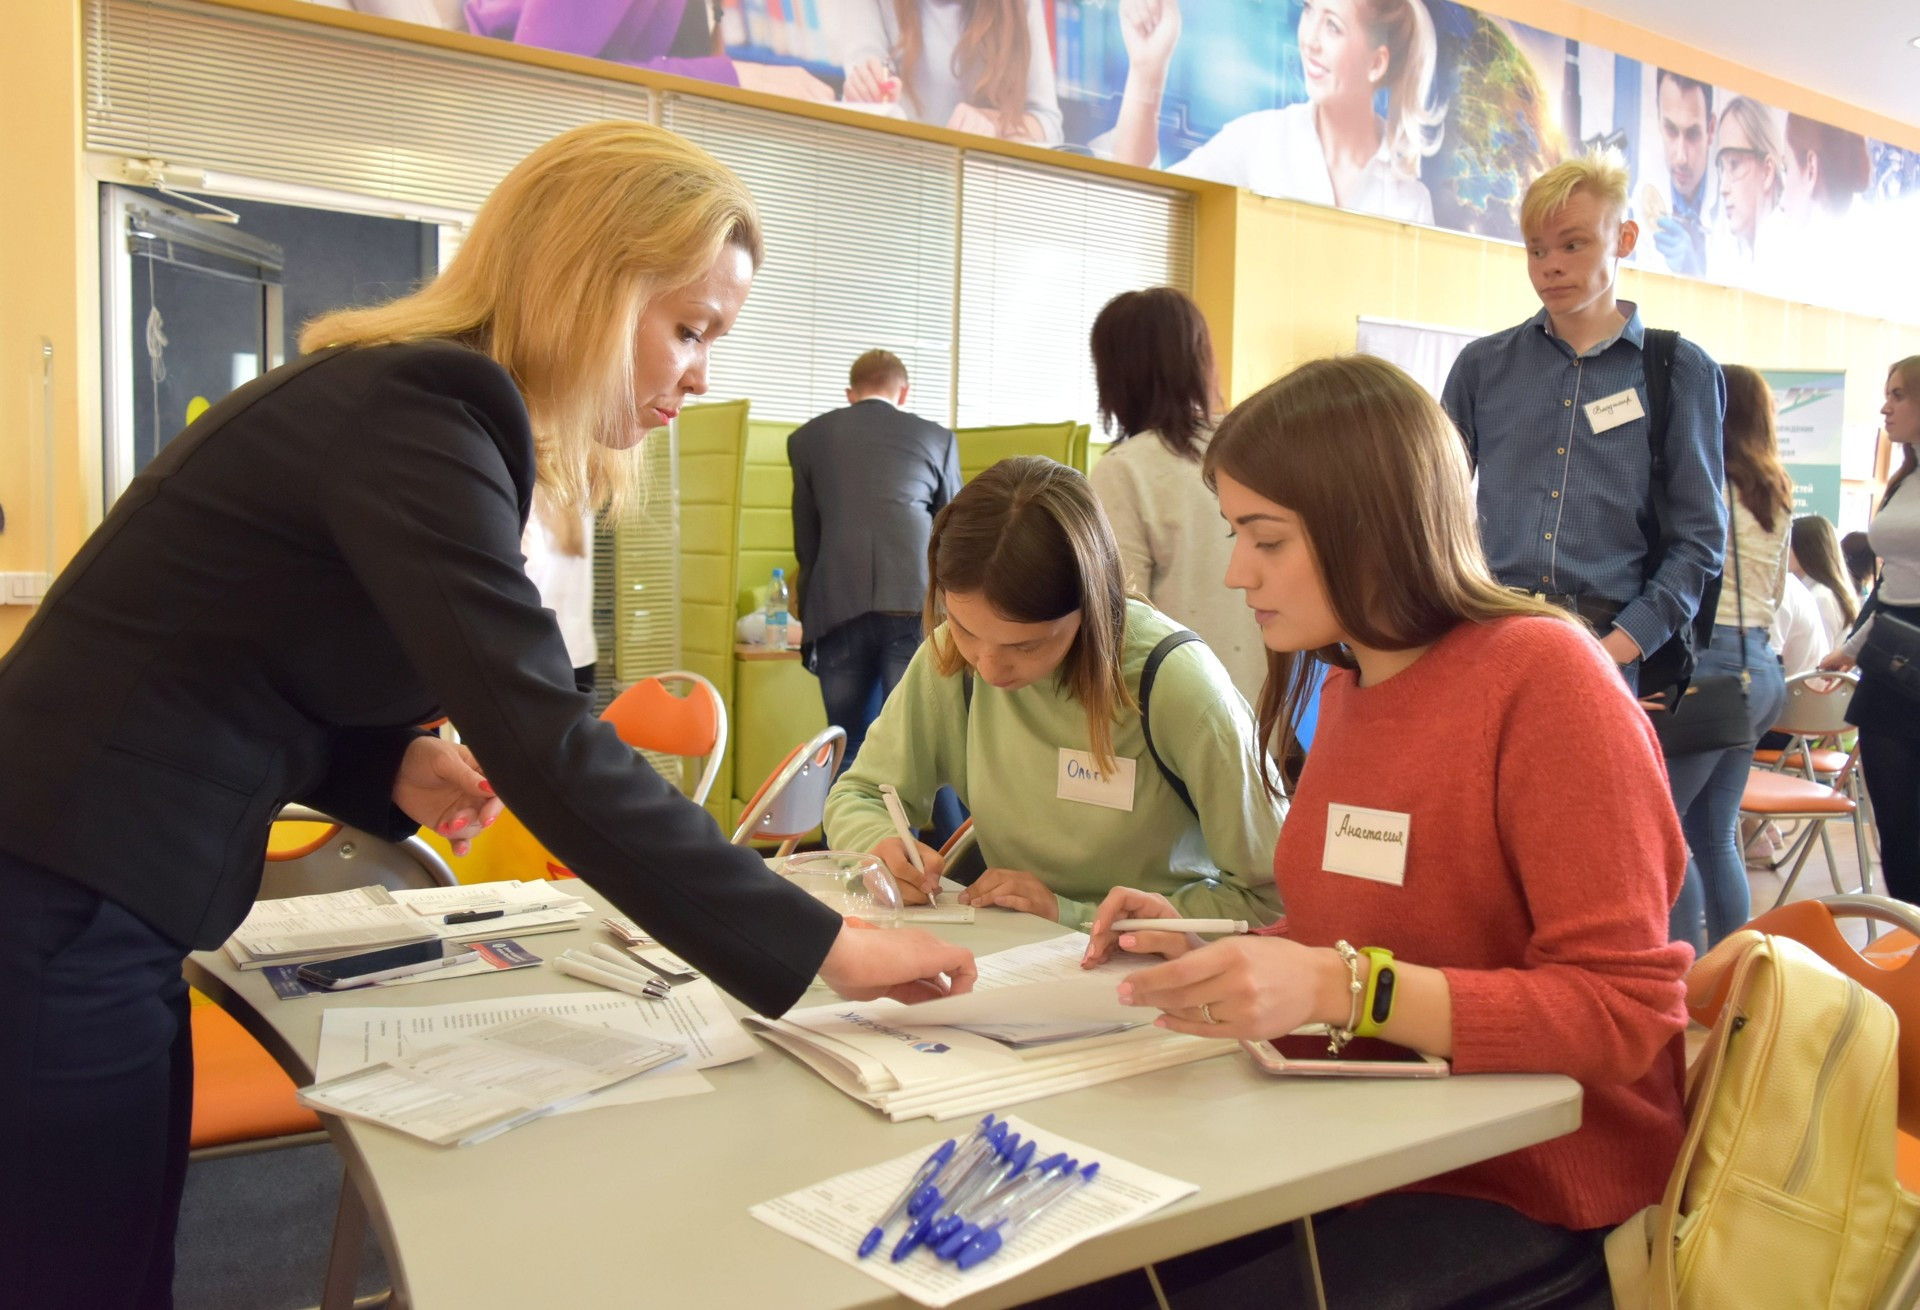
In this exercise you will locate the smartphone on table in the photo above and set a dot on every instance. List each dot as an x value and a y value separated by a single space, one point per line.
378 966
1305 1054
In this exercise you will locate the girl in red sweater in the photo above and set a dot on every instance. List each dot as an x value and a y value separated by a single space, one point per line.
1484 800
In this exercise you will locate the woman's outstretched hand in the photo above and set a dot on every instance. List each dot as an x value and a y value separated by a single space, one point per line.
440 786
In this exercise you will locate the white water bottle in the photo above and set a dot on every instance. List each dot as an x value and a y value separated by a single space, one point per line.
776 610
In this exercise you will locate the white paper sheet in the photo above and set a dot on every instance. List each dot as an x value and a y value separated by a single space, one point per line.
694 1016
833 1216
1038 983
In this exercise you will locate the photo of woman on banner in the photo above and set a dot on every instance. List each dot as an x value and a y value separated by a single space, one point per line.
1331 148
667 36
1747 165
981 66
1812 244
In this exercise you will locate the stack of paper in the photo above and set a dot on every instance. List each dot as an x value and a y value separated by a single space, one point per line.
1036 1024
476 1086
300 929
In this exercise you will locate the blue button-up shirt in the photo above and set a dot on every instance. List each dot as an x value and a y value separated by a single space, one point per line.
1568 510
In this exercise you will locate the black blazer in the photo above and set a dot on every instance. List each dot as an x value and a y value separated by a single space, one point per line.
330 555
867 481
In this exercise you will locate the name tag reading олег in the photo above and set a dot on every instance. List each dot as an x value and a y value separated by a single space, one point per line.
1365 843
1083 780
1611 411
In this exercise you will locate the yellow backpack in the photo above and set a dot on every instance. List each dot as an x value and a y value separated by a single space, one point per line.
1784 1193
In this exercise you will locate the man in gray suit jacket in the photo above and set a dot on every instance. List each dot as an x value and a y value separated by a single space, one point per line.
867 481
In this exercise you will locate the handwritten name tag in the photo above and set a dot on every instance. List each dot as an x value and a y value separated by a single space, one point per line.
1370 844
1611 411
1084 781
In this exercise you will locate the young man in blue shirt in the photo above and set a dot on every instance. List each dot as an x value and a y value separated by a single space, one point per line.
1554 413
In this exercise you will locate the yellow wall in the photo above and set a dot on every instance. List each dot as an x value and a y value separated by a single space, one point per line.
1304 274
44 282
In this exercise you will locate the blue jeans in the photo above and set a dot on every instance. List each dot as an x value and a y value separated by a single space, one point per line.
859 664
1707 789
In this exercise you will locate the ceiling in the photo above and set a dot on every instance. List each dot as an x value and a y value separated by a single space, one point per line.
1857 51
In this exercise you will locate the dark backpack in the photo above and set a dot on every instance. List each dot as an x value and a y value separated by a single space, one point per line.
1672 664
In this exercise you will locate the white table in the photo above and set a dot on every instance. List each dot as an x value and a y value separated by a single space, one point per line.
647 1204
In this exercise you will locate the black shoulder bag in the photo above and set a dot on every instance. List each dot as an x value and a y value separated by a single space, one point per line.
1891 653
1672 664
1710 713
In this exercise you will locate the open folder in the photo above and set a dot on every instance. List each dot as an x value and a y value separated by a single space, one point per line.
1036 1024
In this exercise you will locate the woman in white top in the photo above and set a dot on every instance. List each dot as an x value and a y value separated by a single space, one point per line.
1814 556
982 66
1799 635
1889 721
1331 148
1153 368
1707 786
558 545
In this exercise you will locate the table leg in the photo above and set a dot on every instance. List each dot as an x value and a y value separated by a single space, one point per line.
349 1239
1309 1257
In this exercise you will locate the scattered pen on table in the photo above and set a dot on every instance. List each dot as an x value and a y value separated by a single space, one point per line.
922 1178
589 969
991 1239
984 1145
1219 927
473 916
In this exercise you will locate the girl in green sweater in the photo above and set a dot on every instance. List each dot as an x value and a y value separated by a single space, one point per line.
1025 700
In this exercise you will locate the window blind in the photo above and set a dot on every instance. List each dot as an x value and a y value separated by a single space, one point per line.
1041 250
861 253
308 105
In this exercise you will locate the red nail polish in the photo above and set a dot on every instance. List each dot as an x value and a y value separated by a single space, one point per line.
486 786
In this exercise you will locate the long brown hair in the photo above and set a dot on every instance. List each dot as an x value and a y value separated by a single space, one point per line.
1376 473
1153 368
1908 370
1753 453
1816 544
1029 537
991 60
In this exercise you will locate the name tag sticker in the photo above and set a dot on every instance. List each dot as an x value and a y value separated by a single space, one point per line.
1611 411
1370 844
1084 781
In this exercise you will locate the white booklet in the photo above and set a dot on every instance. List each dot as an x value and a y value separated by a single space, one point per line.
473 1087
327 925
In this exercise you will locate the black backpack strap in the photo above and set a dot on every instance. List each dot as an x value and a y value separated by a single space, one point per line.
1167 645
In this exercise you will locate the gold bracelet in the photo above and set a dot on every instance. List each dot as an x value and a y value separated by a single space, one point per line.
1339 1037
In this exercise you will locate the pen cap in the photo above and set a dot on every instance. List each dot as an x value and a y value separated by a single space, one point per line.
851 883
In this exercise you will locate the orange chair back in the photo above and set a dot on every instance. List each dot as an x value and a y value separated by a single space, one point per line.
1812 924
649 717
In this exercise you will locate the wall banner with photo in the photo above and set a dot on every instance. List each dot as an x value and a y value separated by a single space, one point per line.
1808 409
1424 111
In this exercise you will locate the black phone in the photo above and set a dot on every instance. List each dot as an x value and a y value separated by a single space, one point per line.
376 966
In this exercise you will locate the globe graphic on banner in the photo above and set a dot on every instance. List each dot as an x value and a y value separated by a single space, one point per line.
1500 130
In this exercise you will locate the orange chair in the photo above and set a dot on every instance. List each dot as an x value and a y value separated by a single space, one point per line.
649 718
793 800
1827 786
1812 924
960 855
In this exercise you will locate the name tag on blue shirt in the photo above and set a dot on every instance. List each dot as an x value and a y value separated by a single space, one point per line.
1084 781
1611 411
1370 844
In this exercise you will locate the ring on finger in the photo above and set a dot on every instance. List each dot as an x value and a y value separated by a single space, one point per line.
1206 1012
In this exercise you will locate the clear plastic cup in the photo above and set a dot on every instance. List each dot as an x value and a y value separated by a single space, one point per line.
852 883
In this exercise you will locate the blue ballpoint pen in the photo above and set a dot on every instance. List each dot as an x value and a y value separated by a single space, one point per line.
923 1176
990 1174
971 1156
956 1222
1002 1201
992 1239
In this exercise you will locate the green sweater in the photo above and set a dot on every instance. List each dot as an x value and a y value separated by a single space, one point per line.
1003 758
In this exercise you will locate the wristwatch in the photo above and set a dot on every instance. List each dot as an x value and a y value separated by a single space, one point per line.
1377 1006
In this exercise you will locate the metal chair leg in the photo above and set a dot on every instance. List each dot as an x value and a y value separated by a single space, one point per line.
1308 1253
343 1259
1806 850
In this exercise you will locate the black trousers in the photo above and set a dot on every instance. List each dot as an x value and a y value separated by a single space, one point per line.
96 1098
1891 761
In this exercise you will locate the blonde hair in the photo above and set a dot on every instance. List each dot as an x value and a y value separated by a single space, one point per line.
1378 476
1414 128
1756 123
1908 371
553 278
1029 537
1602 174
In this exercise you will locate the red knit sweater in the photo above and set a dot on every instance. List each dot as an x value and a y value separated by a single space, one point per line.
1542 857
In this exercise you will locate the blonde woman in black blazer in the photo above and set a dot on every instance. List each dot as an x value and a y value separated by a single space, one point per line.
327 557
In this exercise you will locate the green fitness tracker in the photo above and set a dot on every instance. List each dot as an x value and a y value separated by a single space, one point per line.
1377 1007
